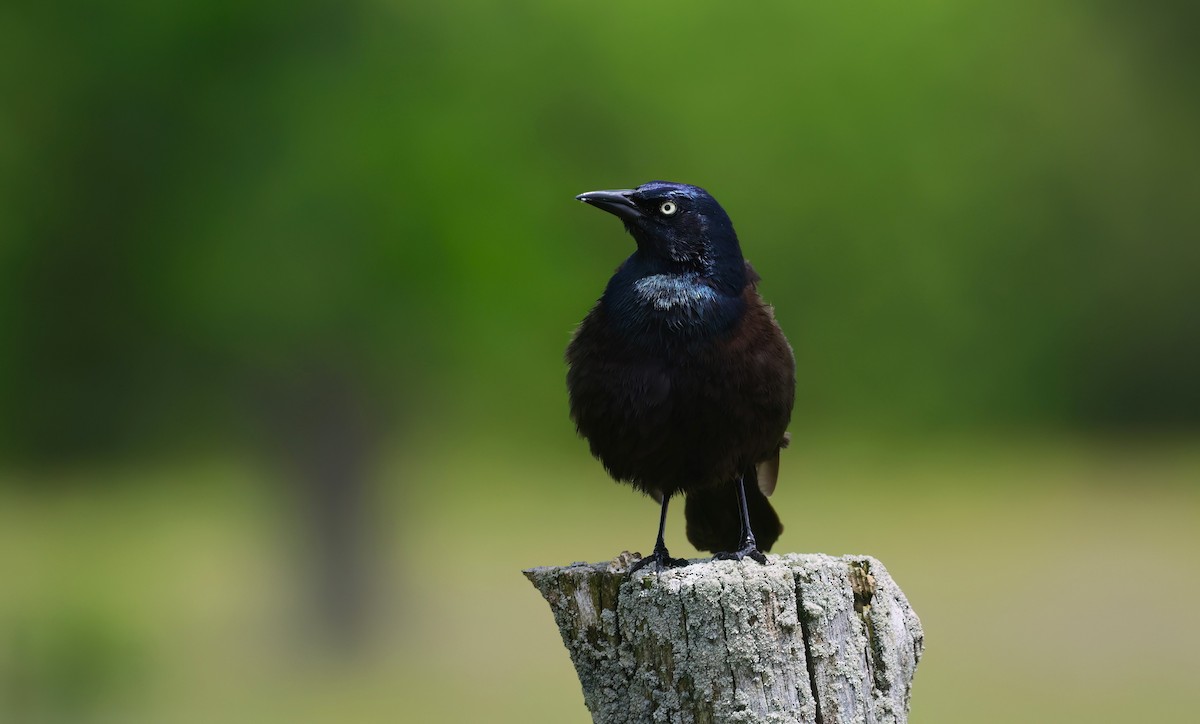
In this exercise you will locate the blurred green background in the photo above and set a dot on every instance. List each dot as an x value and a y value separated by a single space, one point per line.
284 289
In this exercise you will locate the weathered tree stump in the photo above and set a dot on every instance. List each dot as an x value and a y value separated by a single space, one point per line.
806 638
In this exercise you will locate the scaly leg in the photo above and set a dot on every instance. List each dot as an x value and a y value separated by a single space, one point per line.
660 556
749 547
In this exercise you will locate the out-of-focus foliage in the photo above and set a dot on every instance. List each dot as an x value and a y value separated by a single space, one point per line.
344 233
966 215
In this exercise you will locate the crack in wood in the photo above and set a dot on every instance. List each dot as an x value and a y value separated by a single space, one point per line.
673 647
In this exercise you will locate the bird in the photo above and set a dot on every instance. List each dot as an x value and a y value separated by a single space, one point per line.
680 378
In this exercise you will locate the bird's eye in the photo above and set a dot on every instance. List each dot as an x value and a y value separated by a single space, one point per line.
668 208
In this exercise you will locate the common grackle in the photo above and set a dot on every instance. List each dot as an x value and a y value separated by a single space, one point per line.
679 378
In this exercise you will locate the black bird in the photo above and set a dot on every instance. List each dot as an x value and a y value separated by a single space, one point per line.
680 378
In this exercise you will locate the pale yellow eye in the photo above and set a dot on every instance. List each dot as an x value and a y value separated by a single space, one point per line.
668 208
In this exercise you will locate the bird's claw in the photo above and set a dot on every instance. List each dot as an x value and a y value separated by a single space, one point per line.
661 560
749 550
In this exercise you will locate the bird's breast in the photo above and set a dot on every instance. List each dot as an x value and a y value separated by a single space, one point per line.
675 305
667 292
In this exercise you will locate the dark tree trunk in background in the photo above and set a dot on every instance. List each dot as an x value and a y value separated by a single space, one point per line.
327 435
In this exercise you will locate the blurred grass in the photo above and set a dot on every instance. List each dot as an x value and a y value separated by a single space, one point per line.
1051 578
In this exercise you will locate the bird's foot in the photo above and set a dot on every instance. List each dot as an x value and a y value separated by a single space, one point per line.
749 549
661 560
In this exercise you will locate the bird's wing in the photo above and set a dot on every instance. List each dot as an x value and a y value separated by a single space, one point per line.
767 471
752 277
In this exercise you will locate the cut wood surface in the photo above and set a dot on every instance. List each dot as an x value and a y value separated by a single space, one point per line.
807 638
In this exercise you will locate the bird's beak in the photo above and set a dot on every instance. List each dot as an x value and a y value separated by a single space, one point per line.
615 202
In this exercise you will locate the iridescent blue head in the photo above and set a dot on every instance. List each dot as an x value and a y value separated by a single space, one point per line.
679 229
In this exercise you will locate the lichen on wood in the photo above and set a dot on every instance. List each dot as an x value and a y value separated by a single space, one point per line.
806 638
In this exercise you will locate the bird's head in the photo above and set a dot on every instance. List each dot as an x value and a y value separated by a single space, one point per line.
679 228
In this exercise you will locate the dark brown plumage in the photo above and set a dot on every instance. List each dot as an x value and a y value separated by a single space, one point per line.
679 377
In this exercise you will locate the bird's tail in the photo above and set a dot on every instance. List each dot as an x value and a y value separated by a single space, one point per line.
714 523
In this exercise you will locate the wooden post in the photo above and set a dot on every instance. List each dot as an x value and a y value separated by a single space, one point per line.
806 638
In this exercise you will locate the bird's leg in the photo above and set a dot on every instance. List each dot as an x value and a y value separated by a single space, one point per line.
749 547
660 556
